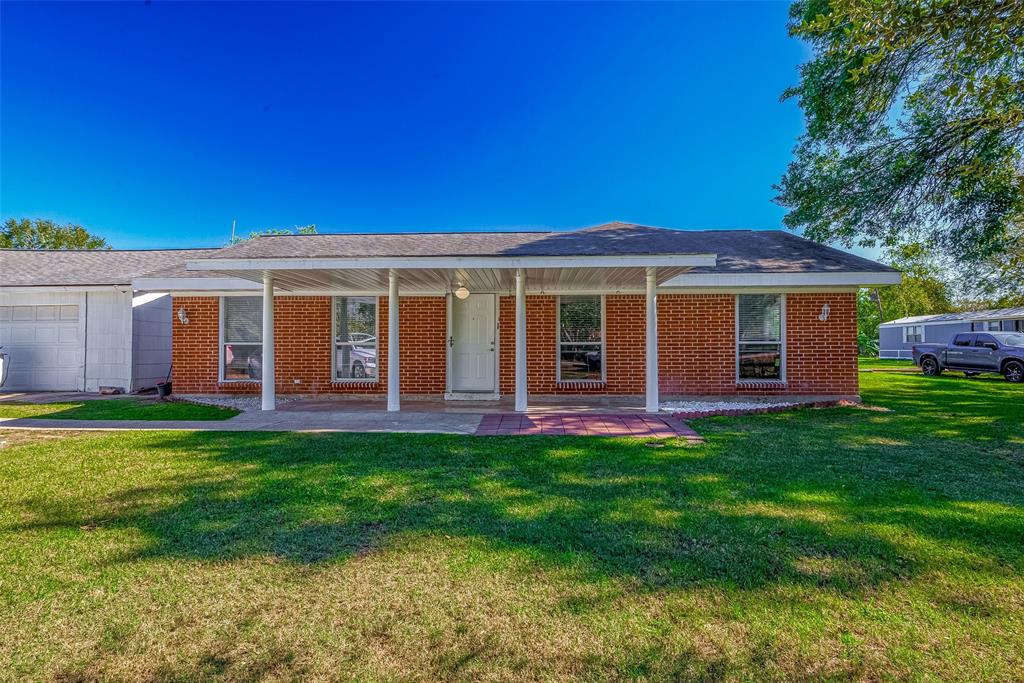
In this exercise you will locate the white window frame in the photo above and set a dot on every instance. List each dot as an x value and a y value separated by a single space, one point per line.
334 345
782 342
558 345
907 334
220 345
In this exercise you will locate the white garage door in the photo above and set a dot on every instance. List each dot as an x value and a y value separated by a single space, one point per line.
45 346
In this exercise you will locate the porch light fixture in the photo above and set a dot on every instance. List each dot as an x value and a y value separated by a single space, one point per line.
183 316
462 292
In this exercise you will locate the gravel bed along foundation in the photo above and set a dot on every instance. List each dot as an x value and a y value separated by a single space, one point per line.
688 410
243 403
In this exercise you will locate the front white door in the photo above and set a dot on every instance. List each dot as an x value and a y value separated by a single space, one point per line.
473 338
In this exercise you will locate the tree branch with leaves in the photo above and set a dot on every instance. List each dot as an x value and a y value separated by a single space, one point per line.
42 233
915 125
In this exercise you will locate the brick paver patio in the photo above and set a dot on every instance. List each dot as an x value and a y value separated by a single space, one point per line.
639 425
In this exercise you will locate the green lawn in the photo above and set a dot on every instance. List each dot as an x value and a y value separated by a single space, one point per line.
868 363
817 544
116 409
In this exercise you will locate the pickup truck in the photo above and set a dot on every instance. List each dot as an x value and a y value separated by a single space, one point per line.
973 353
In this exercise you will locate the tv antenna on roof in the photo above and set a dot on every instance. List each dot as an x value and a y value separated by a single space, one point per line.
233 220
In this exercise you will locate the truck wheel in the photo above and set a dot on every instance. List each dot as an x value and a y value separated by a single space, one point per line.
1014 371
930 367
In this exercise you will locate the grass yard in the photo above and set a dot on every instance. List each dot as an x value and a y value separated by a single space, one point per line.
870 363
817 544
116 409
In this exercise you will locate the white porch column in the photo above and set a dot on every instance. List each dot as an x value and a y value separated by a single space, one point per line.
393 371
652 340
520 341
269 397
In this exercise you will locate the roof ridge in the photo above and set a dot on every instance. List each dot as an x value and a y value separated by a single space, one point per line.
418 232
106 251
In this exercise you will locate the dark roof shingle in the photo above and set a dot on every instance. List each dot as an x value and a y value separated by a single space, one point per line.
739 251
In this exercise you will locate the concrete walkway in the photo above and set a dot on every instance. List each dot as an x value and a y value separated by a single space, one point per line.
277 421
641 426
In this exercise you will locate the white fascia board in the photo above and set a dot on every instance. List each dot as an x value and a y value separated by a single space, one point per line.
838 279
193 284
375 263
280 291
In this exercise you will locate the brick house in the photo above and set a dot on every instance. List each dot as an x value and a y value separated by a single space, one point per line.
519 314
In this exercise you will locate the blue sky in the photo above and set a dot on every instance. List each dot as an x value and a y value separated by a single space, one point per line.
157 124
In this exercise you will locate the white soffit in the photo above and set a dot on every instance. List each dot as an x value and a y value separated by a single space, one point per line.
433 280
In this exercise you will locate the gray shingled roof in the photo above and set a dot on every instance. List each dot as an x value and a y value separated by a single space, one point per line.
41 268
739 251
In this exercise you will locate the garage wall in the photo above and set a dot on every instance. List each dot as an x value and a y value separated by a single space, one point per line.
44 336
108 357
151 339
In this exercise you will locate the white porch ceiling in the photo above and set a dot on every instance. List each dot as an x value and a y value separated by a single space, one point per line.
439 280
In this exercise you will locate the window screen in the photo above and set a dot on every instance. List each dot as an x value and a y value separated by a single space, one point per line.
759 342
243 334
580 339
355 338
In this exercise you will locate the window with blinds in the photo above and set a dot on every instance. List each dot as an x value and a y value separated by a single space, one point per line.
759 348
580 339
242 335
355 338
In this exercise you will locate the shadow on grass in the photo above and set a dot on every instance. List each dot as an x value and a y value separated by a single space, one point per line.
819 498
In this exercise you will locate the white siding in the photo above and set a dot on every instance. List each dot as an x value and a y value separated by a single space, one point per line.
151 339
108 357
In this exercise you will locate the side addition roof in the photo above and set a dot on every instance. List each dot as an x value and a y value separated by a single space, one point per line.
78 268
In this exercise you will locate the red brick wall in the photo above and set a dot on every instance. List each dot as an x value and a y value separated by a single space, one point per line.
625 332
821 357
194 346
696 346
303 347
423 321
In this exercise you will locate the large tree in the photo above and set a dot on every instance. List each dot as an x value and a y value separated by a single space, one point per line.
914 125
996 282
297 230
41 233
924 290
